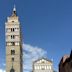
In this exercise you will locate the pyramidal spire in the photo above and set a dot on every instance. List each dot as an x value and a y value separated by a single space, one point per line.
14 11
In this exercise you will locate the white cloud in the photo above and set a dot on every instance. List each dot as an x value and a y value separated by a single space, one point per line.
30 54
1 70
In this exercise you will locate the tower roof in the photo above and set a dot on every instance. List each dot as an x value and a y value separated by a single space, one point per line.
14 11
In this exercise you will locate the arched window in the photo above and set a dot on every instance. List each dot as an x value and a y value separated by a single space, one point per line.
12 70
12 36
12 52
13 29
13 43
12 59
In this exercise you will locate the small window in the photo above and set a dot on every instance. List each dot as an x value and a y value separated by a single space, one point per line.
13 29
12 59
12 36
13 43
12 21
16 29
12 52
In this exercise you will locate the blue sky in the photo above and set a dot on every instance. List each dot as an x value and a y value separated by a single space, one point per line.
45 23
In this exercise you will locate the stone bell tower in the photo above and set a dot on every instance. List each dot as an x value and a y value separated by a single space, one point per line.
13 43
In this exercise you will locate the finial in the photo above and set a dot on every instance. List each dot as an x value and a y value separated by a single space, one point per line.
14 9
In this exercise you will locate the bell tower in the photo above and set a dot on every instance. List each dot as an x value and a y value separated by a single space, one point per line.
13 43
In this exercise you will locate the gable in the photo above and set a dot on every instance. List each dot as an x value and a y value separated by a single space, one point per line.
43 61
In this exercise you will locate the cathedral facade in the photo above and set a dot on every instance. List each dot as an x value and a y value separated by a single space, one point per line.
43 65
